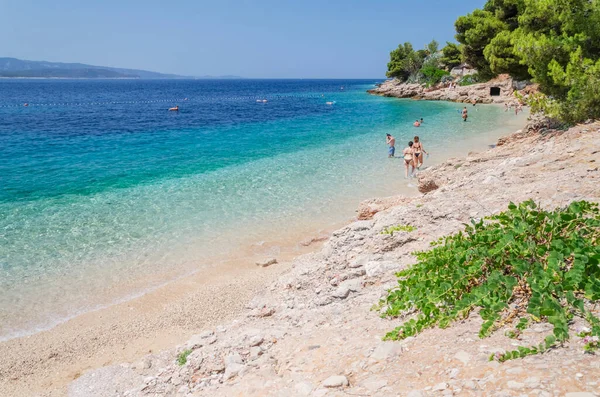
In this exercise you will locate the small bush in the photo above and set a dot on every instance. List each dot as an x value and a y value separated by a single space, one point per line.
433 75
521 266
470 80
182 357
400 228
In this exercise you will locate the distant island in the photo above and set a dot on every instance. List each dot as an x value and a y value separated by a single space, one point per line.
18 68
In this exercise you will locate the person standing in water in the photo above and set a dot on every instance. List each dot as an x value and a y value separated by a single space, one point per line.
409 158
418 152
391 141
465 113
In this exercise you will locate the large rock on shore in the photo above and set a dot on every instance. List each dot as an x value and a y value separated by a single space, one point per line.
478 93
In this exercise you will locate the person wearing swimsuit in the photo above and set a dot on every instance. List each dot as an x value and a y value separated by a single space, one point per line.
465 114
409 158
418 152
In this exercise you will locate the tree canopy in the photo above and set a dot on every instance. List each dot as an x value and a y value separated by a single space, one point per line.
406 62
451 55
555 43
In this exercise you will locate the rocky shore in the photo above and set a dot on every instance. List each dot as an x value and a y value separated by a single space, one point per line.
313 333
480 93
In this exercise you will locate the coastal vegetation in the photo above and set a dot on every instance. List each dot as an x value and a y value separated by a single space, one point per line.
183 356
399 228
523 266
421 66
554 43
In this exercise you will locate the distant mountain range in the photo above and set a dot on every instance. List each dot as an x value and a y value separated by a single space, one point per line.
13 67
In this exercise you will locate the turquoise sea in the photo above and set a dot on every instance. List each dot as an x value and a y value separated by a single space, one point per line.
105 194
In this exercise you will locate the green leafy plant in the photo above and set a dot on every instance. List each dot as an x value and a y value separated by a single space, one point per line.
523 265
182 357
522 352
400 228
470 80
433 75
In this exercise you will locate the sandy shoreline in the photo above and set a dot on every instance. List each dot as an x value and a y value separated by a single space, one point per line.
44 363
313 331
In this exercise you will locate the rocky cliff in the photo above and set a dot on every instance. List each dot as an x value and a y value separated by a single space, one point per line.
480 93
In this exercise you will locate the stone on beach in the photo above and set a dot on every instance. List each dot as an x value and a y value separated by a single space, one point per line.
266 262
336 381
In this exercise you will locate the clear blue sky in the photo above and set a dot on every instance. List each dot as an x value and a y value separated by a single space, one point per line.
261 38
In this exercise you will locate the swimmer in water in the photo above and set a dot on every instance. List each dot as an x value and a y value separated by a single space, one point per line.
416 123
175 109
409 158
391 141
465 113
418 151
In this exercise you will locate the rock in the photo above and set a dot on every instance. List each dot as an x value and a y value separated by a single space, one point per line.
352 285
336 381
255 352
359 262
324 301
580 394
374 269
206 334
233 365
146 363
386 350
345 288
374 384
195 359
414 393
440 386
515 370
511 384
266 262
256 340
426 185
463 357
470 385
532 382
200 340
266 312
303 388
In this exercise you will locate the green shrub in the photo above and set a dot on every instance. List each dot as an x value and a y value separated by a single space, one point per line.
182 357
399 228
433 75
470 79
524 265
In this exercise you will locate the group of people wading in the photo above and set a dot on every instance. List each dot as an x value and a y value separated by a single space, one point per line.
412 154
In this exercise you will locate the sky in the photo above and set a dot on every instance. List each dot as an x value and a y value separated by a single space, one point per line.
252 39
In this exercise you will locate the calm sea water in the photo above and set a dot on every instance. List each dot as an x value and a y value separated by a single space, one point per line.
104 193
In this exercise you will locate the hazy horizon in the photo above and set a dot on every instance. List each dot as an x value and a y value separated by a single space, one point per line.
337 40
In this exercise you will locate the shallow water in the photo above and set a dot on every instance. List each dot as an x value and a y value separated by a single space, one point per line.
104 193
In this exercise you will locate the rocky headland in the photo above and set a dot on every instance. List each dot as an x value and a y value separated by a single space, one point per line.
313 331
504 87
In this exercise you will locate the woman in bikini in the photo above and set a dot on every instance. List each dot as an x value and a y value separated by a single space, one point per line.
418 152
409 160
